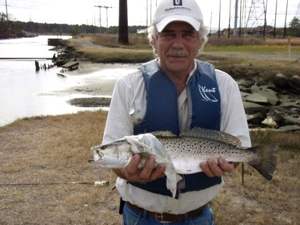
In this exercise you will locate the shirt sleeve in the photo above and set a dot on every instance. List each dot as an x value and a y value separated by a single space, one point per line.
118 122
233 118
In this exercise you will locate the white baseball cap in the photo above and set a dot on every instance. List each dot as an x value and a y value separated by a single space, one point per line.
177 10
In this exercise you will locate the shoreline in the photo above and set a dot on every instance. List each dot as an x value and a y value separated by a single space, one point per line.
95 78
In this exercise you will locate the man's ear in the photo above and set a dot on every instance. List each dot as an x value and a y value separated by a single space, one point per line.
153 42
200 44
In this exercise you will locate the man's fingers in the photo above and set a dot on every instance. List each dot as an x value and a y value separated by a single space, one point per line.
227 167
133 165
211 168
158 172
148 168
215 168
147 173
205 168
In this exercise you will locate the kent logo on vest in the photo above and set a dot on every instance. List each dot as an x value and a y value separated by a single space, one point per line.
207 94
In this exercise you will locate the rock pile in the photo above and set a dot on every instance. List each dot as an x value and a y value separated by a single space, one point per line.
273 106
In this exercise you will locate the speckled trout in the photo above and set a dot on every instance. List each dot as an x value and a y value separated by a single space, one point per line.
184 153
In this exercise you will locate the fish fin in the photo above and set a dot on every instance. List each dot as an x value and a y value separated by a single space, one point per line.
214 135
268 154
164 134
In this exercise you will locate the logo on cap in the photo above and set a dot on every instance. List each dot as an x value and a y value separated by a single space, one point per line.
177 2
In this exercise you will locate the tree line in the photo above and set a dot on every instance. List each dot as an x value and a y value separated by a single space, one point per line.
20 29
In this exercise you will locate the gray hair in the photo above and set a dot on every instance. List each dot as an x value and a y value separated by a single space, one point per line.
153 35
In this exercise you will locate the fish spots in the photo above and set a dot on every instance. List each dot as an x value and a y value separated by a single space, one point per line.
184 153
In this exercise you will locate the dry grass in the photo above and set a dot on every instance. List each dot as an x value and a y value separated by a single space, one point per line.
103 49
260 69
140 41
248 41
295 41
260 201
46 154
111 55
43 152
137 41
228 55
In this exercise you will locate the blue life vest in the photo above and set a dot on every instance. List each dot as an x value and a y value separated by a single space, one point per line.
162 114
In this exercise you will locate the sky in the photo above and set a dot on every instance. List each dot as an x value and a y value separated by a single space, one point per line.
88 11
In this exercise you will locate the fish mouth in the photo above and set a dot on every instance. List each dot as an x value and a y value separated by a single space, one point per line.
98 155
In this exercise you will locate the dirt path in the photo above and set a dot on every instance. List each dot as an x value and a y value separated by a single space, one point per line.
257 55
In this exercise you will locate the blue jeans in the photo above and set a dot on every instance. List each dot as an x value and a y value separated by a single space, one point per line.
132 217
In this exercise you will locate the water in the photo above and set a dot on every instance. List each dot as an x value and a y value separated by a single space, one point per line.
25 92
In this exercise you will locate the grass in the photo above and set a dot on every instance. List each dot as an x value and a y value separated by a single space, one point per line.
41 156
259 69
253 45
259 201
111 55
218 51
255 49
46 154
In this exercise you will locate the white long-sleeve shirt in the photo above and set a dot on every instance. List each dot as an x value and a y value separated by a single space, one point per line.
128 107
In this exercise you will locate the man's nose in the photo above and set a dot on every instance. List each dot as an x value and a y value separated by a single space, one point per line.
178 41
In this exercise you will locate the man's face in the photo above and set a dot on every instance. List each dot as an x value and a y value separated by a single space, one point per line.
177 46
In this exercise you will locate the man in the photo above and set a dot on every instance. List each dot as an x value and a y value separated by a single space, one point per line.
174 92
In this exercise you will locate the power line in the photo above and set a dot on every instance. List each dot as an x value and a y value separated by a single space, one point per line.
257 10
105 6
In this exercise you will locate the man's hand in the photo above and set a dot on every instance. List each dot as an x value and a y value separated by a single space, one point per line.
146 174
216 168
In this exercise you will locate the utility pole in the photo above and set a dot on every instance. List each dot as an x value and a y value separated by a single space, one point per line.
99 17
256 11
6 10
274 32
123 23
149 7
235 17
210 23
241 16
100 6
284 31
106 7
147 16
298 10
150 12
265 12
229 30
219 31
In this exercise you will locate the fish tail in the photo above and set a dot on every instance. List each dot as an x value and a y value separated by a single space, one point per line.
267 159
